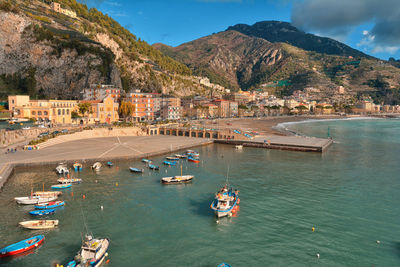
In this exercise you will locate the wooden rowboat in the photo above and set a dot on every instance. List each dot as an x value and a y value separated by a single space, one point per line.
69 180
193 160
136 170
34 200
61 186
39 224
50 205
47 193
22 246
41 212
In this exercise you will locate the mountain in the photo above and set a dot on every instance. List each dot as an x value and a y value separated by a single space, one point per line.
239 61
284 32
49 54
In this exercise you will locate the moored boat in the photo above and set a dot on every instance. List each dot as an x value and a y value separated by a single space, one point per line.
42 212
50 205
170 158
69 180
146 161
62 169
93 253
225 202
154 167
77 166
193 160
224 265
179 179
22 246
170 163
239 146
110 164
96 166
47 193
137 170
180 156
61 186
34 200
39 224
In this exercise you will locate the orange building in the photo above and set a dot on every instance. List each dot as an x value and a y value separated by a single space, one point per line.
143 106
105 111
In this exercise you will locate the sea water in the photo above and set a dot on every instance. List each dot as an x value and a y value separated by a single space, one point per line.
349 195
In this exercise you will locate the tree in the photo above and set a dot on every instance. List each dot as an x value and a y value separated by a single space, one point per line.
74 115
301 109
84 108
126 109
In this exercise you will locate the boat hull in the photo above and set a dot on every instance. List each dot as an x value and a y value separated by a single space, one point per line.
39 224
41 212
50 205
34 200
22 246
60 186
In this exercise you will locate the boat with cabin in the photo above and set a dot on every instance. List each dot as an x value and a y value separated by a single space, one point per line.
96 166
32 200
69 180
61 186
22 246
39 224
77 167
50 205
225 202
42 212
92 253
136 170
224 265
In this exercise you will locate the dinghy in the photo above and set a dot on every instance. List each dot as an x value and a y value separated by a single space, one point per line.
193 160
22 246
239 147
172 158
39 224
50 205
224 265
170 163
69 180
93 253
42 212
61 186
179 179
180 156
110 164
96 166
136 170
34 200
146 161
77 167
47 193
154 167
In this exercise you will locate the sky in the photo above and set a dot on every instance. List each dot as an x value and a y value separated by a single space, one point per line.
371 26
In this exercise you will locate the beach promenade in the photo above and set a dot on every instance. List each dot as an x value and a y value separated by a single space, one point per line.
91 150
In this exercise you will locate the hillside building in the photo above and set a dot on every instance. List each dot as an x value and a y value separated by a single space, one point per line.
57 8
100 92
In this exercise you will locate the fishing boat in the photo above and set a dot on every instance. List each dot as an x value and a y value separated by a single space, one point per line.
193 160
179 179
61 186
170 163
34 200
180 156
69 180
110 164
190 151
137 170
62 169
146 161
172 158
22 246
50 205
224 265
154 167
42 212
96 166
77 167
93 253
39 224
225 202
47 193
239 146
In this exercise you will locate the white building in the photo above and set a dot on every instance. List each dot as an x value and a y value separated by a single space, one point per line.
101 91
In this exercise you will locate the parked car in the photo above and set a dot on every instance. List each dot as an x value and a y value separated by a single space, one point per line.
64 130
43 134
56 132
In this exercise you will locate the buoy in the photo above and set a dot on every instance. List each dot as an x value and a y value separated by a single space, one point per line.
72 194
378 242
116 184
101 207
83 196
68 175
108 261
313 229
318 255
217 221
96 181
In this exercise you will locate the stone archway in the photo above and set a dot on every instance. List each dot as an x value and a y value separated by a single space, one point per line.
194 134
208 135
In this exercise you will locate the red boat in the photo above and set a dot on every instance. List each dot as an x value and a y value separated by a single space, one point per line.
22 246
193 160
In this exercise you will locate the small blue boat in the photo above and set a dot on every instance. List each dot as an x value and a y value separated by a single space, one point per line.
50 205
224 265
77 167
61 186
170 163
154 167
22 246
137 170
42 212
146 160
110 164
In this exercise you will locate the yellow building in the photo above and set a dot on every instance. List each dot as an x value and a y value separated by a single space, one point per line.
54 111
105 111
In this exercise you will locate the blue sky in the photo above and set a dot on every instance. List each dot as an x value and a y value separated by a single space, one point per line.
174 22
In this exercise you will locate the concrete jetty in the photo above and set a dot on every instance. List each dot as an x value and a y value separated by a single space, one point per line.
88 151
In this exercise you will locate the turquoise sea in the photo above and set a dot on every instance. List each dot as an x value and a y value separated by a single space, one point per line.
350 194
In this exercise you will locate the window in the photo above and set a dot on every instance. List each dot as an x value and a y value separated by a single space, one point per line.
67 111
33 113
39 113
45 113
13 101
59 112
54 112
63 112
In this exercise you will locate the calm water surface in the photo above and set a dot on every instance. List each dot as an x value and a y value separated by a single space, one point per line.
350 194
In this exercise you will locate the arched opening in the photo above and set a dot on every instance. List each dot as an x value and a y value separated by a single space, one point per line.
33 113
193 134
45 113
200 135
162 131
174 132
39 113
208 135
215 136
187 134
151 132
168 132
180 133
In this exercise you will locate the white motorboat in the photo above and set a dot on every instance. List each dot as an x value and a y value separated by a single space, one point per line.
179 179
39 224
226 202
34 200
239 146
69 180
96 166
62 169
93 253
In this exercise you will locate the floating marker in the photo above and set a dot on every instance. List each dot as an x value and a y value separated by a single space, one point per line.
313 229
83 196
217 221
116 184
318 255
72 194
101 207
378 242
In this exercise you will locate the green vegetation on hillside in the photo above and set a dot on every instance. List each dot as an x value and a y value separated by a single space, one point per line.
18 84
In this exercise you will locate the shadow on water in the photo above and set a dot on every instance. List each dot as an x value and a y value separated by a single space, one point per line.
202 206
18 256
